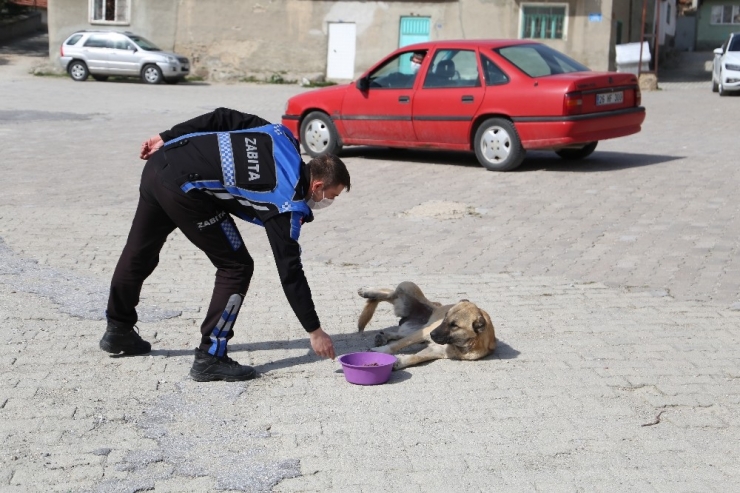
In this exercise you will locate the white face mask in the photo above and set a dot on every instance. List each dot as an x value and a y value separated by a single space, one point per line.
415 66
321 204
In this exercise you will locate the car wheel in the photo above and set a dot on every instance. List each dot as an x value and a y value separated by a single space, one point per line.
151 74
715 86
100 78
721 87
497 145
78 71
574 154
319 135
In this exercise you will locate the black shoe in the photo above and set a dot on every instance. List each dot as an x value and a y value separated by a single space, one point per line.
123 340
207 368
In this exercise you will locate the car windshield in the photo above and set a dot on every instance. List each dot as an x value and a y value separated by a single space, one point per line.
734 44
537 60
144 43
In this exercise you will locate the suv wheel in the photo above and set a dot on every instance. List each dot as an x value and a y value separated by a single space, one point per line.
151 74
78 71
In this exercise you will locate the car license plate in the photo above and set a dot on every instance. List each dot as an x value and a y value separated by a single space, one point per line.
609 98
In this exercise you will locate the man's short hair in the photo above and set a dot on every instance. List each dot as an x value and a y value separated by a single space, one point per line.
329 169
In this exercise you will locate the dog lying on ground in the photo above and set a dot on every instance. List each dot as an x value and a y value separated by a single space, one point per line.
459 331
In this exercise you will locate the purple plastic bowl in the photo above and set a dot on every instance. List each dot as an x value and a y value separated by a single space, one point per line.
367 368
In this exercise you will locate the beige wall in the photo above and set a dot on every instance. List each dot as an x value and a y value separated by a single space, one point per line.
232 39
630 13
291 36
155 20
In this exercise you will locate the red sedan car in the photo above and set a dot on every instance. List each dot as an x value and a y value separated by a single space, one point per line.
495 97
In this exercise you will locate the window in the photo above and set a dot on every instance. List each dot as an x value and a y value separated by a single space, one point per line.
73 39
543 21
110 11
97 41
453 68
537 60
492 73
121 43
143 43
396 73
725 14
734 43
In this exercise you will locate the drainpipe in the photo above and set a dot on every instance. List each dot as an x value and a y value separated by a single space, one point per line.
642 37
657 36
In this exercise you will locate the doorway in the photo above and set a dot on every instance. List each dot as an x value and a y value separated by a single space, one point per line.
413 30
340 60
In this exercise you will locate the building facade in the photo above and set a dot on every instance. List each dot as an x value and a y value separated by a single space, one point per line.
716 19
234 39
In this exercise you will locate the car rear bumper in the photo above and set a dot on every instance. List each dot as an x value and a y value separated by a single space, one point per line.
545 132
64 61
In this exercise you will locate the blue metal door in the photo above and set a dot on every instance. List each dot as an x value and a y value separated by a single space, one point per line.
413 30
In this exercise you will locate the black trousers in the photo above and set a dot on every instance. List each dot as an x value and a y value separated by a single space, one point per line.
162 208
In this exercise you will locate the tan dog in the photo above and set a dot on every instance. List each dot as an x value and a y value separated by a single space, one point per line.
460 331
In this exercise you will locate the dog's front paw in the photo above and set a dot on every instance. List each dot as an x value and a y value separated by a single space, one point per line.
381 339
400 362
381 349
362 292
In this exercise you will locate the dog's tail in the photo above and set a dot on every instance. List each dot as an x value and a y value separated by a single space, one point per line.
367 314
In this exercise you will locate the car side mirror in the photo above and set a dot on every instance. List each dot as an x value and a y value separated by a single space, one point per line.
363 84
718 51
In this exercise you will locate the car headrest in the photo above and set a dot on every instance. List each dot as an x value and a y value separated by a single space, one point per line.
445 68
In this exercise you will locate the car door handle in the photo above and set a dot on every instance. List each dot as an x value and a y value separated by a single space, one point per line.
467 99
403 99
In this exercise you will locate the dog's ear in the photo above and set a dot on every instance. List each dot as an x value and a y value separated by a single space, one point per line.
479 324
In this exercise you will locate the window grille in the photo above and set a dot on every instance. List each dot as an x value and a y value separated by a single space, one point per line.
543 22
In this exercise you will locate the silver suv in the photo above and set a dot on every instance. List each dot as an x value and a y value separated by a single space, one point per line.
105 53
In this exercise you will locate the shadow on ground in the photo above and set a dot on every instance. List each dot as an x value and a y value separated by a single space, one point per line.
597 162
343 344
686 66
535 160
114 79
34 45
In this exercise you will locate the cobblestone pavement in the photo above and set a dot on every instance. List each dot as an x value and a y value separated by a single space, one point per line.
613 284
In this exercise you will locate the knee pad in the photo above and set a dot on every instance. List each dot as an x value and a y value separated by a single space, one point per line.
222 332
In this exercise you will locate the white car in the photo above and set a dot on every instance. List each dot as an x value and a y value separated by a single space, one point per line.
105 53
726 69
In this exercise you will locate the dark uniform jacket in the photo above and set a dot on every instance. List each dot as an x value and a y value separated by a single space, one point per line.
254 169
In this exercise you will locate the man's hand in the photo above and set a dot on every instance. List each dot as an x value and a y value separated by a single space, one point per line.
151 145
321 343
